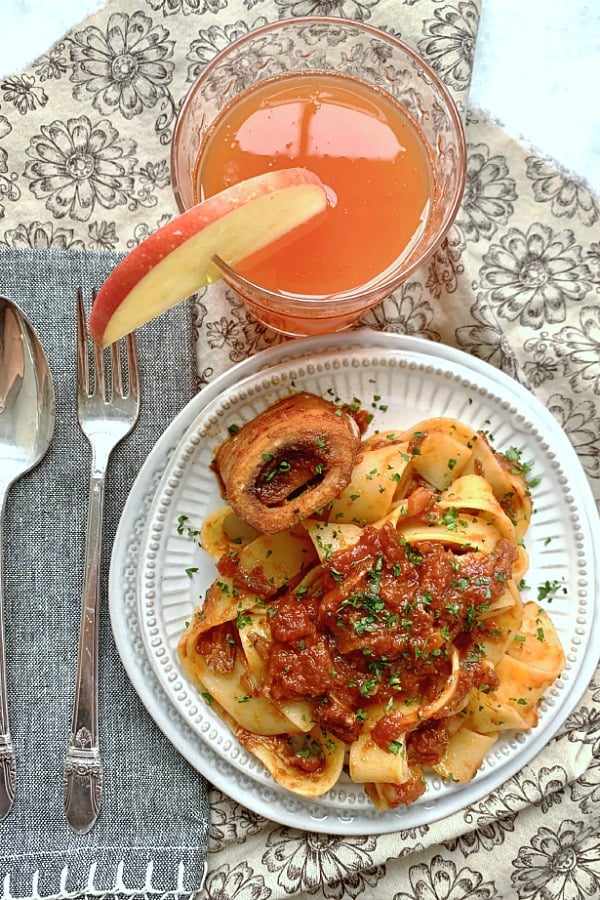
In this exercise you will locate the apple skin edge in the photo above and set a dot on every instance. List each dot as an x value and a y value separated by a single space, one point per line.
176 260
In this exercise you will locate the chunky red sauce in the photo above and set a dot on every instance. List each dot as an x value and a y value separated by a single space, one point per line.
379 629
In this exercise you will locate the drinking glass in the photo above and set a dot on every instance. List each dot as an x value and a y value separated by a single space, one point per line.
324 44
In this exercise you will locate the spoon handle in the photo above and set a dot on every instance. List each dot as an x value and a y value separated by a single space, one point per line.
83 765
8 765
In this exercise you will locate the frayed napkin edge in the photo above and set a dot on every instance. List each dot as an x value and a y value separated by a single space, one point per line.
147 892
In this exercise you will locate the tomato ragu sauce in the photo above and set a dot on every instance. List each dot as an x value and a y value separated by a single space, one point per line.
376 629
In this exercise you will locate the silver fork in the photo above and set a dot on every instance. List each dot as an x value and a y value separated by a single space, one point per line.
105 417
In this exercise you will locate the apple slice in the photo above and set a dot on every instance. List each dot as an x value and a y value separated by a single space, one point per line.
176 260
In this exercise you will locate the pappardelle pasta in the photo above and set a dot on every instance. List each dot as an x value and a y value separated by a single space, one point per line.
383 635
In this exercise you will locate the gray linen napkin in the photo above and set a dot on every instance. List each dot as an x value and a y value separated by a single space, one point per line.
152 830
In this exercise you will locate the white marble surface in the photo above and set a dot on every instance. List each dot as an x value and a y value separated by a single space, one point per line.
537 67
537 71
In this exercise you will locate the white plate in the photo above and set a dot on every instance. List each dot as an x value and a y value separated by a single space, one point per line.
151 596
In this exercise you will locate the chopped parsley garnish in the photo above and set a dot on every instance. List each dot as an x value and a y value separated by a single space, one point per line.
548 589
242 619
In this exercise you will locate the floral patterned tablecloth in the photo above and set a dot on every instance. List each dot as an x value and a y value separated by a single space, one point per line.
84 164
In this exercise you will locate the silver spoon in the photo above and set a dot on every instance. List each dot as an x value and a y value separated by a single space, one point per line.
27 412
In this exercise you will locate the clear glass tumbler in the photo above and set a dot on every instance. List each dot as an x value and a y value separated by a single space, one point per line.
321 44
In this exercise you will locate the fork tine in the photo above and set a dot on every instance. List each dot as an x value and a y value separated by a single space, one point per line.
116 369
99 385
99 379
82 347
132 367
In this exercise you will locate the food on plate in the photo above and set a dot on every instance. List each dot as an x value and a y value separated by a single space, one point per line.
289 461
177 260
384 635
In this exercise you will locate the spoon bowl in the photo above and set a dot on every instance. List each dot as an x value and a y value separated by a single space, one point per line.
27 414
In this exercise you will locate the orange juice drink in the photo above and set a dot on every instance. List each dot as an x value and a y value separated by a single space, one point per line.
365 149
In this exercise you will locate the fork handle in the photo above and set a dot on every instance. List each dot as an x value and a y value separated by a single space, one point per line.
83 765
